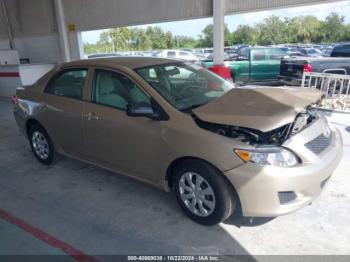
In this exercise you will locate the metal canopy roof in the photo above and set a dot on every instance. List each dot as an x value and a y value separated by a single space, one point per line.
37 17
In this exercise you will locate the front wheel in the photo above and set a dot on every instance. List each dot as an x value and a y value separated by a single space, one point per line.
203 193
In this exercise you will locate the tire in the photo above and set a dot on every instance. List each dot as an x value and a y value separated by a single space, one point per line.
213 203
41 145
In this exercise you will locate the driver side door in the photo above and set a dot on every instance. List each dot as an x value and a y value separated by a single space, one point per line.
113 139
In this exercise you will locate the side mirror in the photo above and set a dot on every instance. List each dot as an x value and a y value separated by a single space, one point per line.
142 109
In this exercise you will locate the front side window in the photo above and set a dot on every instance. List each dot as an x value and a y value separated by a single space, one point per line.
116 90
68 83
185 85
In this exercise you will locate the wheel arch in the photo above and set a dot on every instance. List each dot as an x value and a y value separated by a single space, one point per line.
31 122
176 162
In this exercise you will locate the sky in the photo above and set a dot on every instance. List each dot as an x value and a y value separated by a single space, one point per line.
194 27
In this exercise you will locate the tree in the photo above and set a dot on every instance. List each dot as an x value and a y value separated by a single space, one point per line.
272 30
304 29
244 34
206 38
334 28
139 40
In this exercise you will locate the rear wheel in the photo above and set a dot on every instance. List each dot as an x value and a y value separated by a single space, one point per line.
203 193
41 145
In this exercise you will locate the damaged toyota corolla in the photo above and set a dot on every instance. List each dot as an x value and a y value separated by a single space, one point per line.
182 128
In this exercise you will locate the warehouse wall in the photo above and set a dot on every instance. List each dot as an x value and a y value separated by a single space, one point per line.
34 30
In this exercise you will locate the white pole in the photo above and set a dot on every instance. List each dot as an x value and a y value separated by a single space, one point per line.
8 25
62 31
218 30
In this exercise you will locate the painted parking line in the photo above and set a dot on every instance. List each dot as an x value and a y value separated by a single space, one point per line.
76 254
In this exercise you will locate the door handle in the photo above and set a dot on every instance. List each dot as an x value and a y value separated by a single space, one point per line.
91 116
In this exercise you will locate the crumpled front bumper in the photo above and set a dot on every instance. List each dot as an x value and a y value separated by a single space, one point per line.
269 191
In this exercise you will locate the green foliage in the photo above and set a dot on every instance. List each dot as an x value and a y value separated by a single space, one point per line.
206 38
243 34
273 30
334 28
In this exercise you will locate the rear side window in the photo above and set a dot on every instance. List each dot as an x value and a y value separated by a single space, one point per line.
244 52
68 83
258 55
276 54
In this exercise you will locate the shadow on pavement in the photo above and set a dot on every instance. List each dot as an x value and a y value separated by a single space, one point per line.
95 210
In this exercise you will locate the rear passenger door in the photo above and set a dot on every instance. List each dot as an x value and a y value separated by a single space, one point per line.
274 63
63 102
259 69
127 144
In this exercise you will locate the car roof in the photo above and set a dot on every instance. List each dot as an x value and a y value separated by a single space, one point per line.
130 62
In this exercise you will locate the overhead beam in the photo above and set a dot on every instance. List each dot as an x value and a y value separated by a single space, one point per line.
92 15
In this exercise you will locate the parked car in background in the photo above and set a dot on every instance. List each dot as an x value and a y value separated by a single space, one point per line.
178 54
255 64
342 50
294 53
180 127
292 69
310 52
327 51
98 55
207 51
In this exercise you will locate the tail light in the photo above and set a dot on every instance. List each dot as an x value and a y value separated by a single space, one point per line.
14 99
307 68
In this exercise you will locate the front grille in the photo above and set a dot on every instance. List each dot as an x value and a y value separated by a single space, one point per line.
286 197
319 144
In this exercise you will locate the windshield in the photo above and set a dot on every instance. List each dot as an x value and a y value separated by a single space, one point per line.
185 85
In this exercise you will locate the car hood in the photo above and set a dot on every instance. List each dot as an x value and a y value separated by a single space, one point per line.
260 108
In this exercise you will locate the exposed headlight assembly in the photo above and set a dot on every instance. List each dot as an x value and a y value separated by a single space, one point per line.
269 155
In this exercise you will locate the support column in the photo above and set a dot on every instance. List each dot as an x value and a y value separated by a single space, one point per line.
62 31
219 39
76 45
218 30
8 25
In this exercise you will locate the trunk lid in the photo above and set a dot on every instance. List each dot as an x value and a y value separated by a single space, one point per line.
259 108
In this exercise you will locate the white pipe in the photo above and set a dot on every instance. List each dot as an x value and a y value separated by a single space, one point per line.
218 30
62 31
